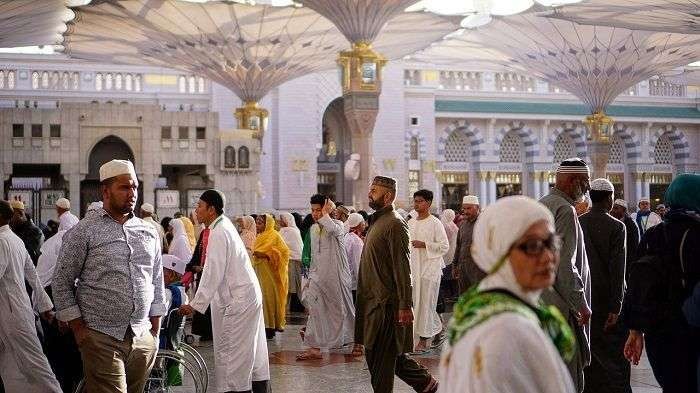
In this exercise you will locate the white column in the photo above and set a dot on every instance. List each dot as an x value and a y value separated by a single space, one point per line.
537 191
483 193
645 187
488 81
74 193
492 187
637 187
544 187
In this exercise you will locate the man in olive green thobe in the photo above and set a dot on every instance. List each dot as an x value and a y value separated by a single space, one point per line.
384 318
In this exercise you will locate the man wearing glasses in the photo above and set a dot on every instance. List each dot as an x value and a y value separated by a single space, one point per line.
571 292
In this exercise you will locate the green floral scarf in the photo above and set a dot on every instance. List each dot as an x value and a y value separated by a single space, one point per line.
475 307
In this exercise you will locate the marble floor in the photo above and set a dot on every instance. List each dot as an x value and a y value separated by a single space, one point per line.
340 373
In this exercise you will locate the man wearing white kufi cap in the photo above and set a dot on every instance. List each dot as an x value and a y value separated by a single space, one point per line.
609 371
147 212
66 219
464 270
571 292
619 211
645 218
115 312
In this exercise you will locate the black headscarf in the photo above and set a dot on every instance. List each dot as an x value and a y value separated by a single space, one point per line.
214 198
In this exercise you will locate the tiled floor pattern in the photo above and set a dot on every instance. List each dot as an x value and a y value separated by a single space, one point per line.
340 373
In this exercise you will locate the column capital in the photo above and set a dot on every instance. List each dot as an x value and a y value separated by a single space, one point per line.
638 176
483 175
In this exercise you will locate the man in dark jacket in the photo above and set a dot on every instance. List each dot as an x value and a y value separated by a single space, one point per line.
22 225
609 372
673 346
619 211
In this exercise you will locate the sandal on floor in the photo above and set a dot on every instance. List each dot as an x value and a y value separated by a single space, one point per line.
302 333
309 356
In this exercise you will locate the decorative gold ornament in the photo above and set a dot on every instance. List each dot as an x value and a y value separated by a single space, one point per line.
361 68
598 126
252 117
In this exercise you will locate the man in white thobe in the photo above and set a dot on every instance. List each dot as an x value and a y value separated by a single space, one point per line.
327 294
228 282
429 244
66 219
23 366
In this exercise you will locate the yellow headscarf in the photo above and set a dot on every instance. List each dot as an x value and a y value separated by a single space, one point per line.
270 243
189 230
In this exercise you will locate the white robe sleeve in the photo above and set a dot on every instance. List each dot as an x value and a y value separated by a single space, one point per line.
334 227
214 270
40 299
508 353
439 244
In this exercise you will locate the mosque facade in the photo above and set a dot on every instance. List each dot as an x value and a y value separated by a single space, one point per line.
448 130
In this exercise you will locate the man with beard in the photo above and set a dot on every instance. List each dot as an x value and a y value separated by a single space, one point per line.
645 218
571 291
464 270
115 312
384 318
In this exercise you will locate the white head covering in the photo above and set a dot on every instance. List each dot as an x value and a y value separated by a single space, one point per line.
288 219
470 200
498 227
116 168
621 202
63 203
174 263
602 185
447 216
148 208
354 219
180 245
95 206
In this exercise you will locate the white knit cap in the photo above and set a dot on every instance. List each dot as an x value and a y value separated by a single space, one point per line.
63 203
148 208
95 206
602 185
621 202
116 168
354 219
174 263
470 200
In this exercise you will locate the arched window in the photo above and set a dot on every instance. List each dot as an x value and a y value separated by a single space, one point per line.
200 84
616 151
55 80
457 147
414 148
182 84
35 80
137 83
118 82
191 85
129 82
11 80
663 152
75 80
65 81
108 81
98 82
563 148
2 79
243 157
229 157
511 150
45 80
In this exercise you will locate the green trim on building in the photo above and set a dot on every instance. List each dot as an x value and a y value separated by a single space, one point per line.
540 108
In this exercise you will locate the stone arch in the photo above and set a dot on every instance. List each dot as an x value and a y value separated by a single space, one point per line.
681 147
475 137
421 144
105 149
577 135
630 140
525 134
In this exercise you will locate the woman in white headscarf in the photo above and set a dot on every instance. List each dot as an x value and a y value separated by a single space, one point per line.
501 338
447 217
292 237
180 245
248 233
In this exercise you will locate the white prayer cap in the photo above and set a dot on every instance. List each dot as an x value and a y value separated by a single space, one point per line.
501 224
95 206
354 219
573 165
63 203
621 202
174 263
644 200
116 168
470 200
148 208
602 185
15 204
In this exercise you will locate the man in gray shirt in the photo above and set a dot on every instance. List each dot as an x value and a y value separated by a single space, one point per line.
464 269
114 310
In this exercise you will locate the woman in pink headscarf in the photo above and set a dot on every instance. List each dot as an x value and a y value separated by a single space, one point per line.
248 232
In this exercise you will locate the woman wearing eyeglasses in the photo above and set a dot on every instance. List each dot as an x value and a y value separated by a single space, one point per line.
501 338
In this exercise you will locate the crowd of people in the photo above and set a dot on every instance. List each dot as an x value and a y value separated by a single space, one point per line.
556 295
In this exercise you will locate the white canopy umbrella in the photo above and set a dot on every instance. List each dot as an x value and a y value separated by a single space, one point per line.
33 23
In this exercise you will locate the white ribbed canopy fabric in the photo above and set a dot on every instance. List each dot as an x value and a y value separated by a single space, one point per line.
248 48
595 63
676 16
687 77
31 22
359 20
